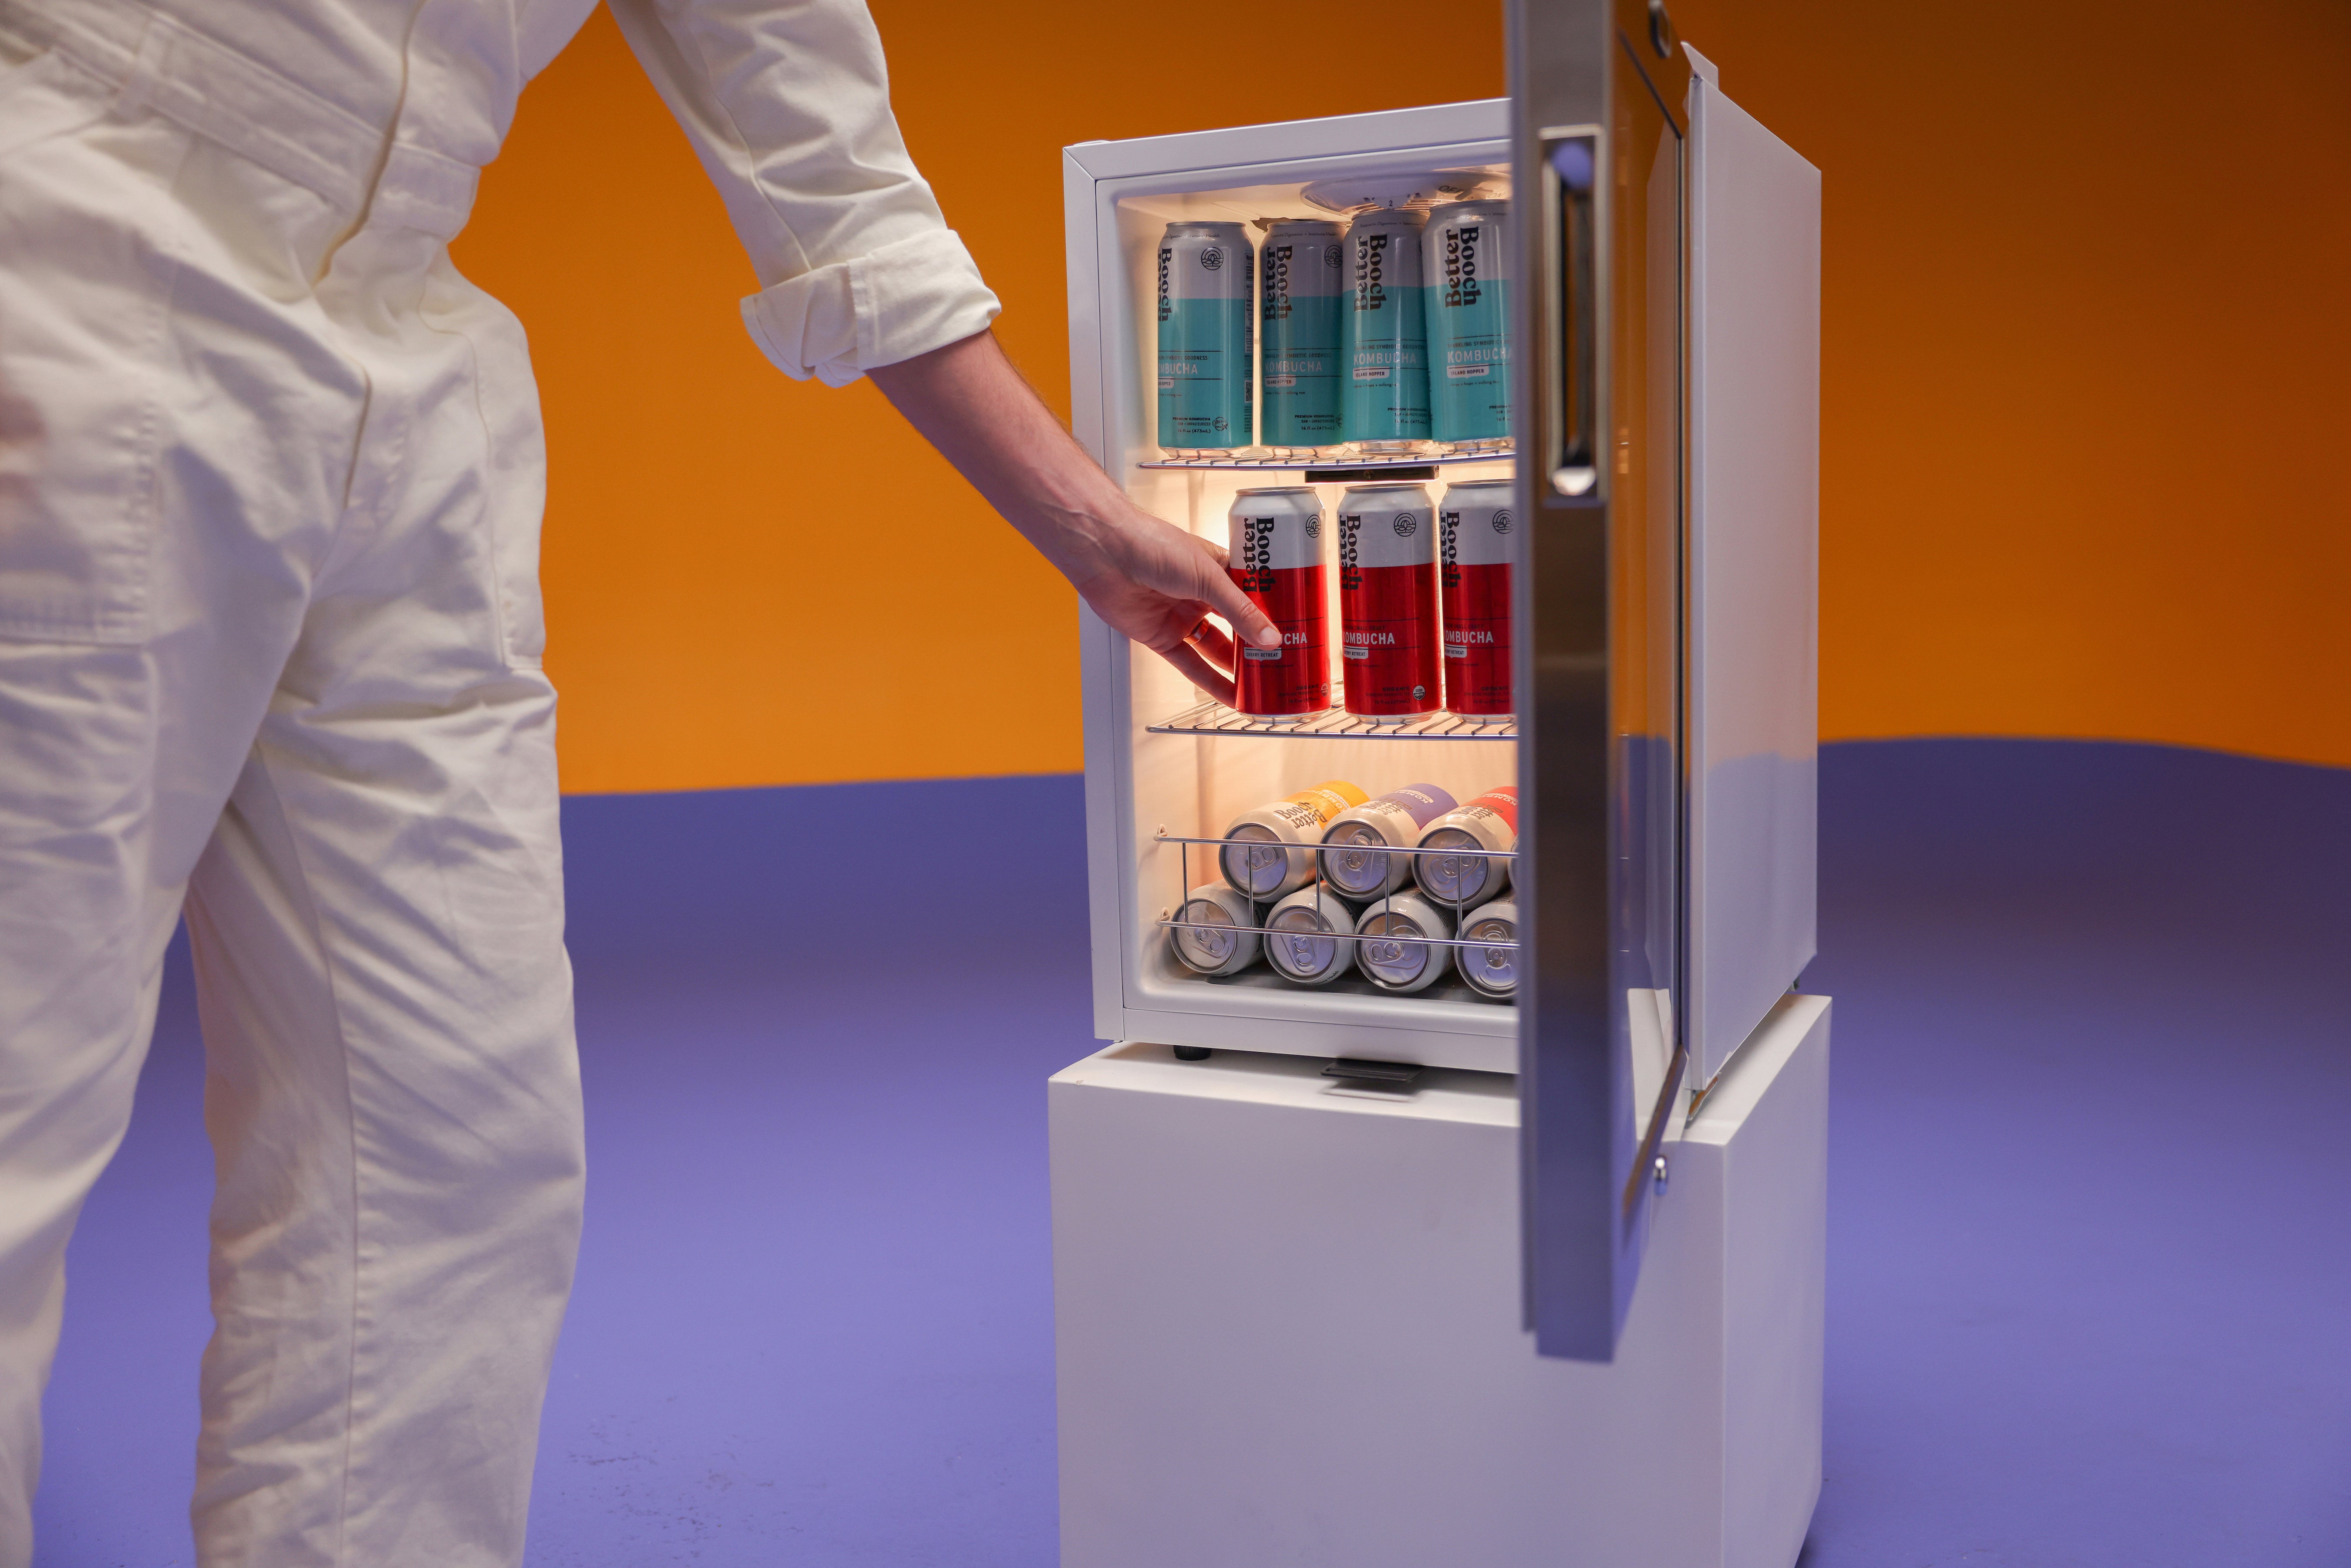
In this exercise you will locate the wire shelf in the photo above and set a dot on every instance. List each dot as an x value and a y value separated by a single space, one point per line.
1336 724
1254 460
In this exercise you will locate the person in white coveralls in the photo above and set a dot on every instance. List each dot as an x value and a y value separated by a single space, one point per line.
270 483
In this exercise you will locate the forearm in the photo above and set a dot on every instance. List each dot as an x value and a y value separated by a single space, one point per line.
971 404
1146 579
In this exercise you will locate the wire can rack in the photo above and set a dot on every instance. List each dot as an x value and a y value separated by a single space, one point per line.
1380 905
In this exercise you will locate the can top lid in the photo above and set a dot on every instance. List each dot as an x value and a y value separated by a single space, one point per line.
1282 489
1405 218
1416 188
1384 486
1307 226
1214 227
1478 485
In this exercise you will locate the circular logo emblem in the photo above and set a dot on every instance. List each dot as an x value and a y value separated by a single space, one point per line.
1332 255
1405 523
1419 693
1501 522
1212 257
1314 526
1218 421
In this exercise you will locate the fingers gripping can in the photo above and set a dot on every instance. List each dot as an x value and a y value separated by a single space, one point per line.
1354 859
1491 971
1489 823
1387 600
1389 956
1214 931
1277 559
1301 270
1307 938
1466 258
1276 853
1206 368
1386 392
1478 543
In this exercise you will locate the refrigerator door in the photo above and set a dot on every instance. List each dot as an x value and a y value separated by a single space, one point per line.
1599 90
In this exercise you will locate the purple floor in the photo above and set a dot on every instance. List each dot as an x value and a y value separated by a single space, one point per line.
2090 1295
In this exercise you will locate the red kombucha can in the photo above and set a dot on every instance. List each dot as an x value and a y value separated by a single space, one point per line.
1478 543
1387 600
1276 557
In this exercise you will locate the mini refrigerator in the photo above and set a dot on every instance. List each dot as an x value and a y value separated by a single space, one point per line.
1527 841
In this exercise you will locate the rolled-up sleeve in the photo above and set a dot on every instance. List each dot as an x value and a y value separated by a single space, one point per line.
787 104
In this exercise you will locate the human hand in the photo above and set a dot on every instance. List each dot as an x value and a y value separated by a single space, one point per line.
1157 584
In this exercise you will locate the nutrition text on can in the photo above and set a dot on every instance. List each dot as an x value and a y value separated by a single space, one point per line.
1206 367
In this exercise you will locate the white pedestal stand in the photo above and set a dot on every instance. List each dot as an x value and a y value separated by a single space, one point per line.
1289 1326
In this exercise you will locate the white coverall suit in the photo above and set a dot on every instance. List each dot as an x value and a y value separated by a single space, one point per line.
270 485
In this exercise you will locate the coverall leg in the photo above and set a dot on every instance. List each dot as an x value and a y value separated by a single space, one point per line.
270 484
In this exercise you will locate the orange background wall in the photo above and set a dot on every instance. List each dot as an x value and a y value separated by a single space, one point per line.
2087 353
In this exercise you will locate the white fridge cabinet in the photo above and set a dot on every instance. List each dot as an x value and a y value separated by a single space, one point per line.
1665 330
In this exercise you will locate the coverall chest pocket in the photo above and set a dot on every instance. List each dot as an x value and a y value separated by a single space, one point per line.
85 284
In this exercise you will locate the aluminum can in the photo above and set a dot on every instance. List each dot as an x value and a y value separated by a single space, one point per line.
1275 855
1387 600
1388 955
1466 258
1277 559
1354 860
1230 941
1489 823
1308 939
1301 276
1386 394
1206 370
1477 546
1491 972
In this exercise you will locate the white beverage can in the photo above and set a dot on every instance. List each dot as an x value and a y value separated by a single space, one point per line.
1307 938
1388 954
1491 971
1213 932
1354 860
1275 855
1489 823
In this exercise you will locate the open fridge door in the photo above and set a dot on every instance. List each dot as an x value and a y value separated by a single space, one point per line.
1599 92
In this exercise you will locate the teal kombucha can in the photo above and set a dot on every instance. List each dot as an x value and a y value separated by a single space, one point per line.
1466 258
1301 273
1206 368
1386 392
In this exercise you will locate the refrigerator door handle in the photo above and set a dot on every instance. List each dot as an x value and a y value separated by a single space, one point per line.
1570 155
